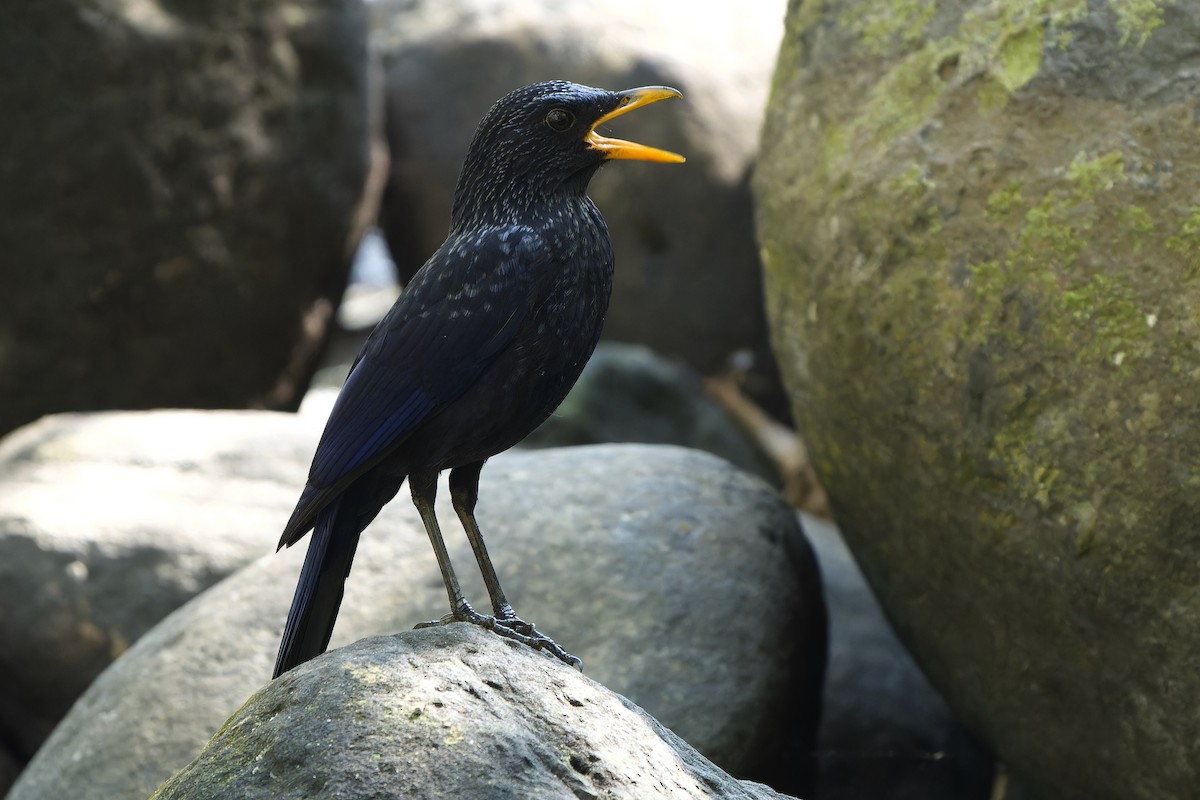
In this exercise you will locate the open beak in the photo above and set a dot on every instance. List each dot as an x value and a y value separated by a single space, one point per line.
619 148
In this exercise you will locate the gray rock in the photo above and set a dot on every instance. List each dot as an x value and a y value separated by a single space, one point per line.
885 731
108 522
628 393
687 279
180 199
979 227
664 569
451 712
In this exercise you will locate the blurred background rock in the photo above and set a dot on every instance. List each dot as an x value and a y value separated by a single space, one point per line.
185 190
181 191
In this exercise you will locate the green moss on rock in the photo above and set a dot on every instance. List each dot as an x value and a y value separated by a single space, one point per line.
1019 57
879 26
981 248
1139 18
1186 243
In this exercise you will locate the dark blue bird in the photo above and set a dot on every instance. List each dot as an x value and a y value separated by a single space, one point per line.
481 347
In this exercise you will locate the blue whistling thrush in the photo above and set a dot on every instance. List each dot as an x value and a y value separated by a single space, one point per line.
480 348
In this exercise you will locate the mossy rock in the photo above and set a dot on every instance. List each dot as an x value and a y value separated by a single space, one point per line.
980 224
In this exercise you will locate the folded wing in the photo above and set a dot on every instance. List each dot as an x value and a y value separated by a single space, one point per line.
452 320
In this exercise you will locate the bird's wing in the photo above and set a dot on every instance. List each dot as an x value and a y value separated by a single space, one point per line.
457 313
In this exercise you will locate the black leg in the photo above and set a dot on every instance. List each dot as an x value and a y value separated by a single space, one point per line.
424 491
464 492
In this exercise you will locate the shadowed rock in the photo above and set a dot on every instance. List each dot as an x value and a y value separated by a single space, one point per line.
885 732
181 199
109 522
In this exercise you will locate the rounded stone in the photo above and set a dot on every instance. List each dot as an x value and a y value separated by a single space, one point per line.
447 712
980 228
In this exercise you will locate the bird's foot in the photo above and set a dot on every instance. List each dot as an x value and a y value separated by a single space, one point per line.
510 626
507 618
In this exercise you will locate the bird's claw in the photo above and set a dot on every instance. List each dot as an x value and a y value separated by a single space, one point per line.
510 626
514 623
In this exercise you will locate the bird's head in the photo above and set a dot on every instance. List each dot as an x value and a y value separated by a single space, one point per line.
541 141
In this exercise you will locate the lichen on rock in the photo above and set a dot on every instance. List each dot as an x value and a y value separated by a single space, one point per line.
980 239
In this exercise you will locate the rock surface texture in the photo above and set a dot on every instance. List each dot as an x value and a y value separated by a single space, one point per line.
109 522
450 712
181 199
981 235
680 581
688 282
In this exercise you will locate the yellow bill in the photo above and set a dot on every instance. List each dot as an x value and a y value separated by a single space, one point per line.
619 148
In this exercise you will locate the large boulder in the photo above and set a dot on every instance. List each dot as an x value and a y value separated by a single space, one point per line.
111 521
687 281
183 188
981 236
452 712
680 581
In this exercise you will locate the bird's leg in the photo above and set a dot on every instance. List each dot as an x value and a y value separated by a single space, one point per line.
424 490
464 493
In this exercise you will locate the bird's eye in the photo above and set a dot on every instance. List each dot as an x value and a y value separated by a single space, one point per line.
560 119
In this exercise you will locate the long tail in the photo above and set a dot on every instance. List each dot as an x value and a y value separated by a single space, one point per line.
319 592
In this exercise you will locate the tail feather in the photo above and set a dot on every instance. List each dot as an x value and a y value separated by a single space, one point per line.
319 591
